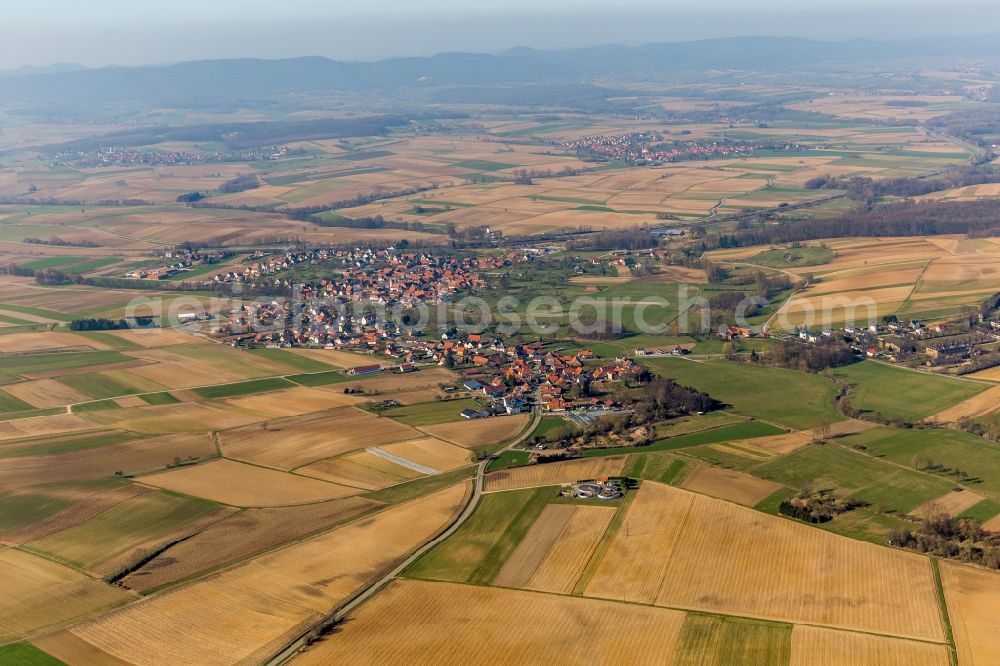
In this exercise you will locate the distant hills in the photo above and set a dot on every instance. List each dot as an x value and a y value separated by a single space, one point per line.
205 81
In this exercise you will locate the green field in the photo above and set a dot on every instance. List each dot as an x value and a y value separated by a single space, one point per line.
243 388
788 397
658 467
51 262
715 639
479 549
904 394
38 312
161 398
431 413
509 459
49 446
16 511
292 360
26 654
319 378
549 423
9 403
99 385
940 452
56 361
119 530
791 257
887 488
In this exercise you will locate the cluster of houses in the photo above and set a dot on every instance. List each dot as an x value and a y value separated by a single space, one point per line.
651 147
512 376
178 261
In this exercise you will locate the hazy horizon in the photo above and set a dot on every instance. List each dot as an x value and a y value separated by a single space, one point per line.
118 32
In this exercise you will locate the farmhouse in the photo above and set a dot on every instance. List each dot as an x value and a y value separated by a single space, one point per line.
365 370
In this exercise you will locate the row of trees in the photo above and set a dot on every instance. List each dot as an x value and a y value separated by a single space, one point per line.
945 536
978 218
814 357
104 324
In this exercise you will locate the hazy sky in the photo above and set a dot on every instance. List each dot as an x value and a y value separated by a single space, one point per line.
129 32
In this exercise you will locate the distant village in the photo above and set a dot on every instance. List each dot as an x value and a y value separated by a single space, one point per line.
654 148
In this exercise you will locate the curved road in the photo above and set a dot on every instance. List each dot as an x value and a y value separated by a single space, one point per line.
470 507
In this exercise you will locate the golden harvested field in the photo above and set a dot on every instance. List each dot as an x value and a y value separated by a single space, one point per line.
360 470
292 402
130 457
67 647
388 385
432 453
565 560
524 561
728 485
813 645
334 357
245 614
470 624
549 474
973 597
45 393
35 426
479 432
39 594
159 337
20 343
184 367
298 441
183 417
242 535
993 524
239 484
719 557
983 404
991 374
793 441
954 503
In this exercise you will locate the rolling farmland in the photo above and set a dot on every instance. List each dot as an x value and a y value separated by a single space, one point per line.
722 555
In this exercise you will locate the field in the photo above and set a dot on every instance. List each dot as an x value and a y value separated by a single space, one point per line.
208 494
476 552
758 391
949 450
555 473
115 539
360 469
40 594
840 648
977 406
479 432
899 393
972 598
273 596
413 619
239 536
728 485
239 484
870 278
554 552
294 442
721 558
68 464
886 487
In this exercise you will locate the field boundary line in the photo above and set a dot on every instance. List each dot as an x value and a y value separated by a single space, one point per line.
943 608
